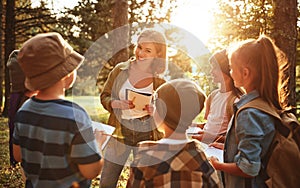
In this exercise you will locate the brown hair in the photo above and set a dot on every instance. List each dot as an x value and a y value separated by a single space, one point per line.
267 63
221 59
159 41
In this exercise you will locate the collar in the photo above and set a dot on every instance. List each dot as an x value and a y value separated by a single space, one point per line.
247 98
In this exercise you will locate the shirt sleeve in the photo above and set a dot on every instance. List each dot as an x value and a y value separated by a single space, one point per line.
255 131
84 149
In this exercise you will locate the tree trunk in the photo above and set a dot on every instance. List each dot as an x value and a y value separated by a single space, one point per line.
285 35
121 32
1 65
10 40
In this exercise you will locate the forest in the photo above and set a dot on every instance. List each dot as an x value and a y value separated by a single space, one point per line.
91 21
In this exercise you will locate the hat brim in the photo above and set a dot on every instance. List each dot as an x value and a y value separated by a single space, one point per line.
43 81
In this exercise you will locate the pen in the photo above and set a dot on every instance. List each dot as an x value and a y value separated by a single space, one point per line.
103 133
194 134
133 99
218 138
115 136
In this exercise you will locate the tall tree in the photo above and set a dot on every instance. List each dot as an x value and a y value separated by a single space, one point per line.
285 34
120 19
10 42
1 59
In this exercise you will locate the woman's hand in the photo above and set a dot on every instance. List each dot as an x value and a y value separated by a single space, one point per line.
150 109
200 125
100 137
122 104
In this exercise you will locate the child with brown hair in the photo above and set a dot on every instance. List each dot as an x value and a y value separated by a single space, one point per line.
219 104
255 66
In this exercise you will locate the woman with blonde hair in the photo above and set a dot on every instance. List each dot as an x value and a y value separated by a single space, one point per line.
140 74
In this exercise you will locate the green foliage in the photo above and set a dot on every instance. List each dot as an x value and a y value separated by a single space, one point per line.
240 19
85 23
32 20
147 11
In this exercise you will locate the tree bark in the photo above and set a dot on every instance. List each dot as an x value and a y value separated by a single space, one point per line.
1 65
121 32
10 40
285 35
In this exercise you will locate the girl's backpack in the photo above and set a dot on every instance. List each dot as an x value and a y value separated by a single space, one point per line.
282 162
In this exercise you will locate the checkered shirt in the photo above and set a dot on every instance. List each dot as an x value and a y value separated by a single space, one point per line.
163 165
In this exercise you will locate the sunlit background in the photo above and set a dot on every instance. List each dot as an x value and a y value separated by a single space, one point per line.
195 16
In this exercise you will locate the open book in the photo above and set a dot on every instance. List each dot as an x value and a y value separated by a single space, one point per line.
103 127
140 100
212 151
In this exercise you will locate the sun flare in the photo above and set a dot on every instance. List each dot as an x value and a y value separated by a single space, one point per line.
195 16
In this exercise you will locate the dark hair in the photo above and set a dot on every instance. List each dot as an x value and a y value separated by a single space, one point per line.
222 60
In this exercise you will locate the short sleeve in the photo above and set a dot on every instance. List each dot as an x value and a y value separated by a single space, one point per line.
84 147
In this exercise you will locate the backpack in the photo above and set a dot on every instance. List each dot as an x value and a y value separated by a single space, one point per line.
281 165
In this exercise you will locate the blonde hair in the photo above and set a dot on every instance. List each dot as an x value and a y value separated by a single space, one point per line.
267 63
159 41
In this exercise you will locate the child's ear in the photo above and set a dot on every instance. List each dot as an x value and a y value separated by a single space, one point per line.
246 72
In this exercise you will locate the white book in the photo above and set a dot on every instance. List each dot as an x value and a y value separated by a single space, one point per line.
140 100
103 127
212 151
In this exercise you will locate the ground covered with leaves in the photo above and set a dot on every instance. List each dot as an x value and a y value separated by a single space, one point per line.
9 176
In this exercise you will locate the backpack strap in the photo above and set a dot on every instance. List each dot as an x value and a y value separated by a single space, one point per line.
261 105
208 102
229 104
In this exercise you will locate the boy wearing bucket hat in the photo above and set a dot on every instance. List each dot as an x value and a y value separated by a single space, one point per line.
53 138
174 161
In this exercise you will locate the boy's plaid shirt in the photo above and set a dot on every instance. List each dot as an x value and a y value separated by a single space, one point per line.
173 166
